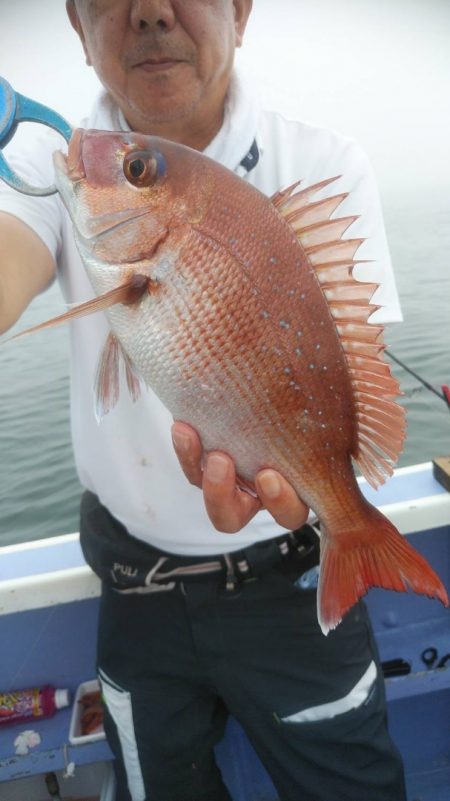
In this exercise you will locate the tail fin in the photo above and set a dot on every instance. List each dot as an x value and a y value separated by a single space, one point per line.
381 558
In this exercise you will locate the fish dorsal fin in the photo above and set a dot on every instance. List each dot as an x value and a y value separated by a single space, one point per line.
380 421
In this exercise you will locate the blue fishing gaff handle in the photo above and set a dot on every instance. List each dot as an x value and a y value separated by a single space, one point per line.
16 108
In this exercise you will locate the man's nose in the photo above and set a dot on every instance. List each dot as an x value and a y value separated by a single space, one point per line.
148 14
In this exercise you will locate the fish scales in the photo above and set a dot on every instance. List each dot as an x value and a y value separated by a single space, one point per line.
287 297
216 337
236 320
243 316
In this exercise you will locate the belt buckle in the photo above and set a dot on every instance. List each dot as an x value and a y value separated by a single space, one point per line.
235 570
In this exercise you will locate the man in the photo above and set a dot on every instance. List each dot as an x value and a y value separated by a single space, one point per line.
195 623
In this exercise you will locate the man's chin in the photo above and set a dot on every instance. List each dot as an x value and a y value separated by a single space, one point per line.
152 109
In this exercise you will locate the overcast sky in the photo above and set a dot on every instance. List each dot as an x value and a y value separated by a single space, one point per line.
378 70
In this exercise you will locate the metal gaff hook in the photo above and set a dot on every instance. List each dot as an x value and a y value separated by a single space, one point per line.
14 109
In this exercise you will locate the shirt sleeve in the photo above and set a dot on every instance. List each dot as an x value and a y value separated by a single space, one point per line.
34 163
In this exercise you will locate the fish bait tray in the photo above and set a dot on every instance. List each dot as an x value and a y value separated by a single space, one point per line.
76 737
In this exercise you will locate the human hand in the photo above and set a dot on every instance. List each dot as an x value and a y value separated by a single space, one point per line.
230 508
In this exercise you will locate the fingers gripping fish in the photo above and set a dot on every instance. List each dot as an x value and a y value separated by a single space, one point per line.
242 314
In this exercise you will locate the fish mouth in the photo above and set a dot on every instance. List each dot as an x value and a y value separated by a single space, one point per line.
72 164
63 183
69 169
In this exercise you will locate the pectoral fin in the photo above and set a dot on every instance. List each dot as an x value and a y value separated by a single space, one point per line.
130 292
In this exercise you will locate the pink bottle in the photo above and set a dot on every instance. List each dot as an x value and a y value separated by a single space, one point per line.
36 702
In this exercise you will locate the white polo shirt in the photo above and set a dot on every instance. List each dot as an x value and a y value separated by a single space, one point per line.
128 459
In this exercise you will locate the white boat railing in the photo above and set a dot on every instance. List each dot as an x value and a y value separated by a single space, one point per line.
76 582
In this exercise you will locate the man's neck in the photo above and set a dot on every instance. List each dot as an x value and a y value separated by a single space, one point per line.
197 136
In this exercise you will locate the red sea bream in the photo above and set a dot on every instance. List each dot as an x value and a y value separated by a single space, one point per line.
242 314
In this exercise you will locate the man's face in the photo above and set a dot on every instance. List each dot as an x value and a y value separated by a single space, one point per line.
165 62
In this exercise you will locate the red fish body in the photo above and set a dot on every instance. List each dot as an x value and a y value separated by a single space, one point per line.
242 315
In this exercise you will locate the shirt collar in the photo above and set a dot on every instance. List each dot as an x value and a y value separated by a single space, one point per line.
235 145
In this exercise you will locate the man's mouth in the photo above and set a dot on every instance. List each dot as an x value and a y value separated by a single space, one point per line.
158 64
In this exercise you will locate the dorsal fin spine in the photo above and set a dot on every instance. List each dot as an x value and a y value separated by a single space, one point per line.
379 420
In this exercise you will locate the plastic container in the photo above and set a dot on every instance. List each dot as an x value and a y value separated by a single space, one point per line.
32 703
75 732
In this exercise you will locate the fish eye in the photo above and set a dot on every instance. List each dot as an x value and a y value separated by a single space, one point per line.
137 168
143 167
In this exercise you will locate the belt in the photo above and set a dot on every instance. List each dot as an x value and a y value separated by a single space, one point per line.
246 564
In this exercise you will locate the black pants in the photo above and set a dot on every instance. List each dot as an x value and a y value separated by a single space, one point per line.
174 663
